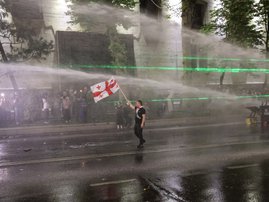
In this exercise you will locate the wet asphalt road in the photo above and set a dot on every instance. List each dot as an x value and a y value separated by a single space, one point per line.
215 162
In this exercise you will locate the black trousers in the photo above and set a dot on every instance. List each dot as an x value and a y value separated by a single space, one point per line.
139 132
66 114
46 115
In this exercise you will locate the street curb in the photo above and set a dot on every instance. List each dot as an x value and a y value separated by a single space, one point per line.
103 127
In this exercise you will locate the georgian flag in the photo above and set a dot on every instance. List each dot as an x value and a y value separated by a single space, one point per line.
104 89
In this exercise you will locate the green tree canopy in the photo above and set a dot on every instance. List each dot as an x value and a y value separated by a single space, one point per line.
245 23
235 21
262 21
16 46
105 13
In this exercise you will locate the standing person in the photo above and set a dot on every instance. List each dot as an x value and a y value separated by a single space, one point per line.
76 105
66 108
17 109
45 108
140 118
119 114
83 110
3 109
72 98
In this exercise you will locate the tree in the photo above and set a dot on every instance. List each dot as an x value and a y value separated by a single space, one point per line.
120 3
18 46
89 17
116 48
262 22
235 22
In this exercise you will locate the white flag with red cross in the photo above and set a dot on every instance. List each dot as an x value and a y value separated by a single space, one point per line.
104 89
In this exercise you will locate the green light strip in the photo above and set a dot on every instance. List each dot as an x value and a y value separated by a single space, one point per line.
198 69
210 98
206 98
225 59
206 58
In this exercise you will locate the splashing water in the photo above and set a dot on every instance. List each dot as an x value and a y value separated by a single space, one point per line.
37 76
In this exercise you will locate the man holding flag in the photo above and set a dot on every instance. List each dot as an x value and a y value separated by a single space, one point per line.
140 118
109 87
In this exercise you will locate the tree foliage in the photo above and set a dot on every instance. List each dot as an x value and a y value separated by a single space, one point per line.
117 48
120 3
234 20
262 21
16 46
245 23
102 13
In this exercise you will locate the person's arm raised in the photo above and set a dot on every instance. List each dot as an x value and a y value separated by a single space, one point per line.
130 105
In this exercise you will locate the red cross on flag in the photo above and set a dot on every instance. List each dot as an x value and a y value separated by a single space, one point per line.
104 89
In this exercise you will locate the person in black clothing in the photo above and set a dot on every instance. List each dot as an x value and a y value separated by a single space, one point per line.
140 118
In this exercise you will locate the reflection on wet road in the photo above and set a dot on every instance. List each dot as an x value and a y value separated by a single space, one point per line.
224 163
248 183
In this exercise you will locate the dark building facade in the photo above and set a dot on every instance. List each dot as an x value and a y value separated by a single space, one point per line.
75 49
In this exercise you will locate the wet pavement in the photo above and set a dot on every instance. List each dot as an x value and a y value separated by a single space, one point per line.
214 162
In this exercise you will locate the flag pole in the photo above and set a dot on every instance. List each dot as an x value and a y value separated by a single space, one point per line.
124 95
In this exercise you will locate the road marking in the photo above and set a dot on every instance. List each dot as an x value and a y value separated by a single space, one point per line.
242 166
112 182
198 126
127 153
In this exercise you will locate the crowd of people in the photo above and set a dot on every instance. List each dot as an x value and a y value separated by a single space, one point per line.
123 119
48 106
77 106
